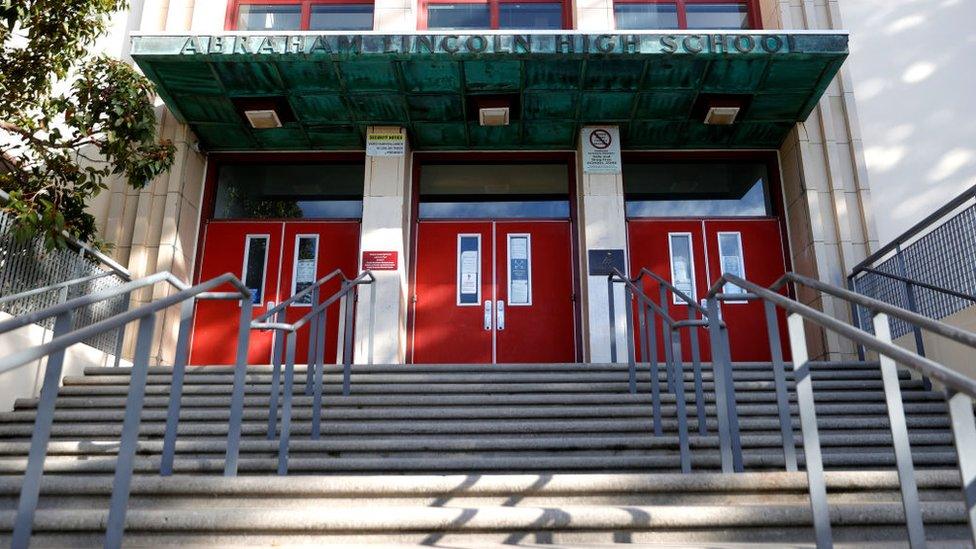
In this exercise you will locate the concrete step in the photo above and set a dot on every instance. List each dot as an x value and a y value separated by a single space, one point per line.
481 443
768 523
578 399
434 463
256 413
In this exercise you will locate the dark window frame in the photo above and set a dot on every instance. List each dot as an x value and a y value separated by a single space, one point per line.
753 16
233 9
493 10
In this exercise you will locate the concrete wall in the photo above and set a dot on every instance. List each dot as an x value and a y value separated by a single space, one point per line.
949 353
912 66
825 181
25 382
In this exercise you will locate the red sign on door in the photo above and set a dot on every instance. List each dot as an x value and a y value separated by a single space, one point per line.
379 261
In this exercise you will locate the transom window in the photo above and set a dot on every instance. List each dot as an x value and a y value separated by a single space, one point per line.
493 14
278 15
685 14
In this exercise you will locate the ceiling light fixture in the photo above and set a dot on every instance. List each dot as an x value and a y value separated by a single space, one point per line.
262 119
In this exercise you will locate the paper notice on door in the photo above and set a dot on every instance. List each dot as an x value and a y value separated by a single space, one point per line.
469 272
519 289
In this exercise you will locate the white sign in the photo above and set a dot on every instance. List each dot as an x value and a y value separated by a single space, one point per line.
386 142
601 149
469 272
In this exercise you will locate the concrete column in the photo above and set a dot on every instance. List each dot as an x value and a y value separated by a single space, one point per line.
602 226
385 227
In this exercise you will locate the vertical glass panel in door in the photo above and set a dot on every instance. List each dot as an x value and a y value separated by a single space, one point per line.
458 16
306 262
682 264
530 15
731 259
258 17
717 16
255 263
645 16
341 17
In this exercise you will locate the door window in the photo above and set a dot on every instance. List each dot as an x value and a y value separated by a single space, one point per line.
255 265
519 270
306 265
682 264
731 259
469 270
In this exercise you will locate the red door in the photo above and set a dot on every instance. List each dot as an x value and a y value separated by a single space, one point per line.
275 259
692 253
252 252
494 292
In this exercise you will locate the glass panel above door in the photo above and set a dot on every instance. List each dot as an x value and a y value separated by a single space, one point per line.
494 191
717 16
706 189
289 191
645 16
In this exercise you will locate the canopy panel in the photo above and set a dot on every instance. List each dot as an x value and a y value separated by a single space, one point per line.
652 85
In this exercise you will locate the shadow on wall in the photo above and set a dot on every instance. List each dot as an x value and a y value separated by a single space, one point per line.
914 80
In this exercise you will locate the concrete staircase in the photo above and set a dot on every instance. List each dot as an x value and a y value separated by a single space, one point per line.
480 454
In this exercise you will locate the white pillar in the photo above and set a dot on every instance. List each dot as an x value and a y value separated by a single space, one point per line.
385 228
602 224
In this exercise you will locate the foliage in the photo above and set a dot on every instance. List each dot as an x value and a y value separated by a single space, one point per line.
58 147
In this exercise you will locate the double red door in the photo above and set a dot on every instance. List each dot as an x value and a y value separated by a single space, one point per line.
275 259
494 292
693 253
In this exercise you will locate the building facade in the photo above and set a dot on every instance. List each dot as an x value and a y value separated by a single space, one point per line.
488 161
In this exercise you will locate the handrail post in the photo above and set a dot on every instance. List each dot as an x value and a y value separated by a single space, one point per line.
721 405
913 307
964 434
631 362
782 394
642 326
681 410
697 370
30 488
120 338
319 373
856 315
176 388
348 330
313 339
666 339
121 484
237 398
730 400
277 353
899 436
655 371
811 436
612 324
289 382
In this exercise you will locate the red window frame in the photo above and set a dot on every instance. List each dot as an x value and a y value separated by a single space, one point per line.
230 21
752 9
493 10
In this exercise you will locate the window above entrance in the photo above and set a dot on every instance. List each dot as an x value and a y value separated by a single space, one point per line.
264 15
686 14
494 191
493 14
289 191
696 189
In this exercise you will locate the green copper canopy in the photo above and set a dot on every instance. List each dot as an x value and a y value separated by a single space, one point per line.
649 84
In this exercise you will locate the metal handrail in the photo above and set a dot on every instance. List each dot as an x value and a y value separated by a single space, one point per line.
921 284
53 287
283 352
962 391
648 309
65 337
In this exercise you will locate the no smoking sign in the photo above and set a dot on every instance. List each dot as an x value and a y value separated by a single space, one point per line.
601 150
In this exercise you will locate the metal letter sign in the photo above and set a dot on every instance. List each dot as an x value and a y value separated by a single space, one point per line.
601 150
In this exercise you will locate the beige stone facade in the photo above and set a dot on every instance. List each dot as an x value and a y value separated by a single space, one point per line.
823 173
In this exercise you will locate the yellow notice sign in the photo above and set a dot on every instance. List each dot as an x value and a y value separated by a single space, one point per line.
386 142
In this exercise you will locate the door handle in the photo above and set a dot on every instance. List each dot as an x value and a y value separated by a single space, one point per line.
488 314
500 311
